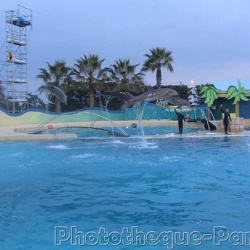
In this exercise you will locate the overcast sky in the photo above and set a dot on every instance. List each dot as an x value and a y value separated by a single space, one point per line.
209 39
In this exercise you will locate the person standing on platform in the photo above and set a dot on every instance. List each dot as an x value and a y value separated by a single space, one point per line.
226 118
181 119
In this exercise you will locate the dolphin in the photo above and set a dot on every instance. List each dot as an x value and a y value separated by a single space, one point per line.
152 95
123 95
176 100
166 94
208 125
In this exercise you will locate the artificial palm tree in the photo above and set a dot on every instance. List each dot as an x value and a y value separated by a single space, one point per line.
53 78
158 59
88 69
210 93
123 73
238 95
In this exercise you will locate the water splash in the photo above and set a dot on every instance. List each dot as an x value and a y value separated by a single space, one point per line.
84 156
59 146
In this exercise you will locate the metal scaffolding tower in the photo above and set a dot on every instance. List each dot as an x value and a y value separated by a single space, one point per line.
18 26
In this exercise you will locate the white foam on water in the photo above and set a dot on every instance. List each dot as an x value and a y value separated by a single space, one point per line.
149 146
143 145
170 135
146 163
17 154
173 158
59 146
22 166
84 156
146 144
118 142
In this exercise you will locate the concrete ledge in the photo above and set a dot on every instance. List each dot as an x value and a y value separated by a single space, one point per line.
21 132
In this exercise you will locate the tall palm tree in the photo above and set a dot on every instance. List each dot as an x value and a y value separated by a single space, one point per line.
158 59
88 69
123 73
54 77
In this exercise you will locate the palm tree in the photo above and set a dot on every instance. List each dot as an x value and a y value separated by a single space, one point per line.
88 69
210 93
237 94
158 59
53 78
123 73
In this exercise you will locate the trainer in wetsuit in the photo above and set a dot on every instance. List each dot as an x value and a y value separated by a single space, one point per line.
226 118
181 119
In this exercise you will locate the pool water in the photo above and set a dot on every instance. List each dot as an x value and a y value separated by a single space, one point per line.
84 194
88 132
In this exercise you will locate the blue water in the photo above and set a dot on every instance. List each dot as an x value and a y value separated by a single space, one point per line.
110 186
88 132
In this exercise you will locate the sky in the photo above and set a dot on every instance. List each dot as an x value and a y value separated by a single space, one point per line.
209 39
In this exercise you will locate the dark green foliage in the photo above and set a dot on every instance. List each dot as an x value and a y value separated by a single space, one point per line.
182 90
56 75
157 59
81 81
35 102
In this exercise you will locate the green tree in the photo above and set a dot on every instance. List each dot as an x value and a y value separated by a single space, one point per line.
182 90
75 95
123 73
88 70
56 75
158 58
198 89
35 102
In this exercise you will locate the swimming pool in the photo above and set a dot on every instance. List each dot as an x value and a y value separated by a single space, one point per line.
108 131
125 193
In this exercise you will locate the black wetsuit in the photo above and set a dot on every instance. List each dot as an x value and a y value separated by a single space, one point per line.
181 118
226 119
